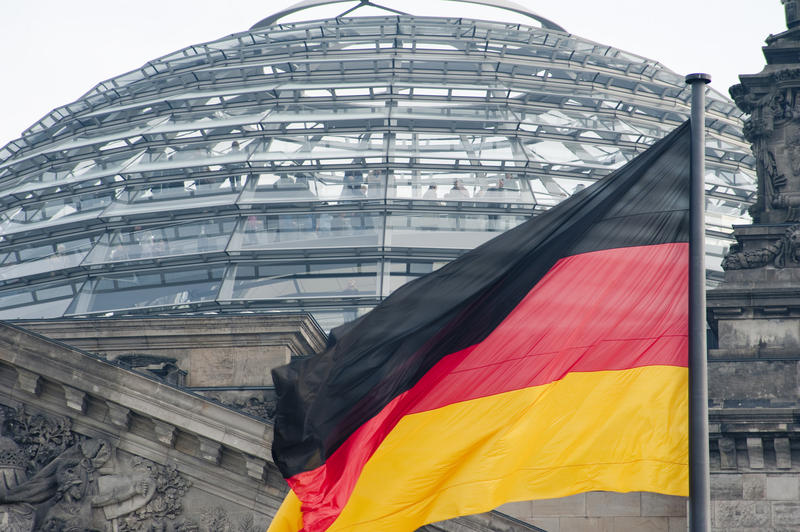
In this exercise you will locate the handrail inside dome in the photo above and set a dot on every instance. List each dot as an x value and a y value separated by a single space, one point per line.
501 4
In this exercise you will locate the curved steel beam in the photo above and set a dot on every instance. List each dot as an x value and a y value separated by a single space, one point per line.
501 4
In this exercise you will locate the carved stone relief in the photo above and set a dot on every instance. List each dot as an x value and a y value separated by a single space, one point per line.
54 480
773 129
143 495
781 253
261 406
218 520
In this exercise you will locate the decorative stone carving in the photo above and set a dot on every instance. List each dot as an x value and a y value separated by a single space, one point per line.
165 368
17 517
123 494
218 520
772 130
13 460
772 99
73 472
52 479
779 253
43 437
163 505
61 489
260 407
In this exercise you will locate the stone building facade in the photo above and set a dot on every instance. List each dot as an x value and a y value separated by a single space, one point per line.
754 368
90 443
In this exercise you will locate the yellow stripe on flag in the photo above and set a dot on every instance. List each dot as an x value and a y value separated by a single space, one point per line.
608 430
289 517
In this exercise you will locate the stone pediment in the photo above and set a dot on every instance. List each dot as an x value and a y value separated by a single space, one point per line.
214 461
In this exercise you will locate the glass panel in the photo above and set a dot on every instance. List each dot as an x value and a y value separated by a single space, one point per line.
85 170
282 187
179 194
50 309
64 209
311 230
146 242
399 273
141 290
40 259
48 300
446 230
329 319
332 186
337 280
477 189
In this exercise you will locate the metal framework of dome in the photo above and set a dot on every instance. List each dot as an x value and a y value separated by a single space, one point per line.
319 165
308 4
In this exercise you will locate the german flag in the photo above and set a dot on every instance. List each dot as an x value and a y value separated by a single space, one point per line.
550 361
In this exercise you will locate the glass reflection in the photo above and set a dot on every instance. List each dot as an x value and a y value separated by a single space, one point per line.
148 289
140 242
312 280
446 230
36 259
63 209
309 230
476 189
47 300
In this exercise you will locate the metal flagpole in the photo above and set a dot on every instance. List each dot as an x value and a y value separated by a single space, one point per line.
699 491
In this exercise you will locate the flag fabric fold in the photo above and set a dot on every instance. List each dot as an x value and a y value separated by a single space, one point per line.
551 360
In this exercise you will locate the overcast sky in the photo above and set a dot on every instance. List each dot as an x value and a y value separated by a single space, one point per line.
55 50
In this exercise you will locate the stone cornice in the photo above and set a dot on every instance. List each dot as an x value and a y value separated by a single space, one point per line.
753 439
299 332
140 414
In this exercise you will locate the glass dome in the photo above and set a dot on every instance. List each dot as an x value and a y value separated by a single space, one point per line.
319 165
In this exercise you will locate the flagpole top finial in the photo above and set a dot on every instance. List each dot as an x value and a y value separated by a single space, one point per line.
698 77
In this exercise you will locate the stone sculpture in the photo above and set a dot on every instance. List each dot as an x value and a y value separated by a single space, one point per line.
54 480
772 99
